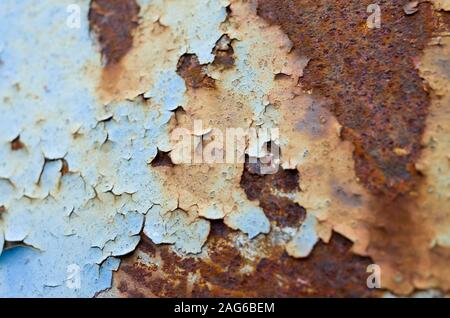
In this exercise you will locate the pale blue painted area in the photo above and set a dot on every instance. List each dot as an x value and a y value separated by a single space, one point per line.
47 95
23 268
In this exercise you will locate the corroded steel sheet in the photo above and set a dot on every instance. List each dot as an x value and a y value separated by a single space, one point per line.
224 148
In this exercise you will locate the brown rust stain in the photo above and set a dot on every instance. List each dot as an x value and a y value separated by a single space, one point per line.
114 21
331 270
397 240
282 210
194 73
368 77
224 53
64 167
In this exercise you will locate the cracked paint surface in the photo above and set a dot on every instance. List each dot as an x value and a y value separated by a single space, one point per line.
89 168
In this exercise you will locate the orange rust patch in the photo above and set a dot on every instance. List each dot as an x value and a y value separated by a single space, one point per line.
114 23
65 167
368 77
194 73
16 144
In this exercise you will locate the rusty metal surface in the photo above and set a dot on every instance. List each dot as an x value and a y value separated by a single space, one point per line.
331 271
193 73
351 67
367 77
364 175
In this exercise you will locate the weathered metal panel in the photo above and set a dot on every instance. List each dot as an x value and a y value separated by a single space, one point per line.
115 174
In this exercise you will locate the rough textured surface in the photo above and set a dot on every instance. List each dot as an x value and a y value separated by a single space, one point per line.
114 23
367 78
114 134
234 267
